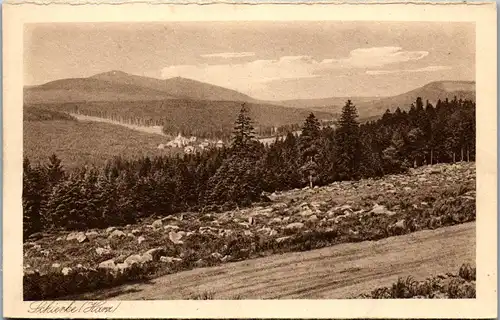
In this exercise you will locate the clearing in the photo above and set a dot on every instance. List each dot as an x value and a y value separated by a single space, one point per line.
341 271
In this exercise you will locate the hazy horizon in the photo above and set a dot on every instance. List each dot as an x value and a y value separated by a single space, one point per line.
265 60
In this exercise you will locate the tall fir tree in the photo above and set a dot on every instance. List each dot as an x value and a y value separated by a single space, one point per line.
54 170
348 143
244 133
309 149
237 181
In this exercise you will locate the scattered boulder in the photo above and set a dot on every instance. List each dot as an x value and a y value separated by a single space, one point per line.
346 207
265 229
122 266
141 239
306 213
248 233
78 236
280 240
313 218
295 225
170 259
176 237
147 257
275 220
400 224
108 264
157 224
92 234
60 239
56 265
216 255
117 234
110 229
226 258
136 231
398 227
65 271
263 212
171 227
380 209
102 251
273 233
280 205
200 263
135 258
304 205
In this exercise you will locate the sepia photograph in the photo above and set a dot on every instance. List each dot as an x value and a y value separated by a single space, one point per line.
249 159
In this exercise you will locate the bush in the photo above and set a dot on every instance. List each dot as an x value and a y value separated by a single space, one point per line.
467 272
450 286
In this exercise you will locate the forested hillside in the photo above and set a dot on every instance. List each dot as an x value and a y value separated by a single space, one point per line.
200 118
125 190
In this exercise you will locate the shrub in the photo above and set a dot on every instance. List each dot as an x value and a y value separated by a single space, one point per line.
467 272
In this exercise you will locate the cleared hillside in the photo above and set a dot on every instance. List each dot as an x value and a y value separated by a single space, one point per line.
78 143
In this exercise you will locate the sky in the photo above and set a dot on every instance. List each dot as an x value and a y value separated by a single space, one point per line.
266 60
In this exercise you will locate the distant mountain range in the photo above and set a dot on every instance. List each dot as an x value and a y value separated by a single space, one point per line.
369 107
116 86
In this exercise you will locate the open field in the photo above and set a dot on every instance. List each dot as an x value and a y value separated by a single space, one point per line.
335 272
298 220
80 142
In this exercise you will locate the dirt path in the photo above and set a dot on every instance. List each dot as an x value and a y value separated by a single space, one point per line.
329 273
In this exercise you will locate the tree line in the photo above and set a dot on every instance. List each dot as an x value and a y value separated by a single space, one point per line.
125 190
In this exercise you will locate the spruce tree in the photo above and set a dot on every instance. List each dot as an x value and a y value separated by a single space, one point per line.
348 142
33 198
54 170
309 149
237 181
244 133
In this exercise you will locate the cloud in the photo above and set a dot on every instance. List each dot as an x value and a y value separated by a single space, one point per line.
374 57
425 69
228 55
250 77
